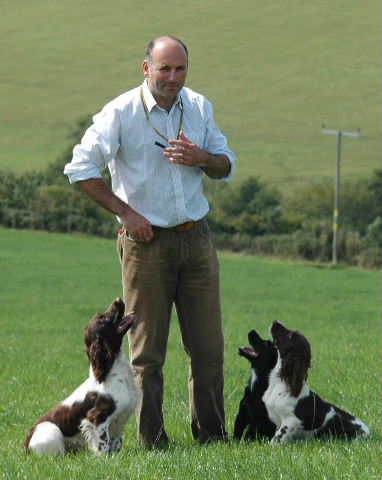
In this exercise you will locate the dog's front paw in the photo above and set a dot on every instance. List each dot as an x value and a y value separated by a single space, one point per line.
116 445
281 436
275 441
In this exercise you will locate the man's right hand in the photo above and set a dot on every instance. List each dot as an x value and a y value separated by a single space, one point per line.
138 227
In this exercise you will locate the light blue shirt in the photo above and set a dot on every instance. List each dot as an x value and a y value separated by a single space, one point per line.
121 138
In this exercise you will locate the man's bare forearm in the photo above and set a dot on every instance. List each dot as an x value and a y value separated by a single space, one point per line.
137 225
98 190
218 166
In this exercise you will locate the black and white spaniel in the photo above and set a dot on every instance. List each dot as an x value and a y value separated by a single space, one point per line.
297 411
95 414
252 417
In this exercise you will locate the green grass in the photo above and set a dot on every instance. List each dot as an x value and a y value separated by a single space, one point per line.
50 286
275 72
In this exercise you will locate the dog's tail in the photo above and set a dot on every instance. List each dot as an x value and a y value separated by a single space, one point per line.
352 426
363 429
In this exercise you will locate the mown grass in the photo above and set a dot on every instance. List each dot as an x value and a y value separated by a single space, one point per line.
52 284
275 72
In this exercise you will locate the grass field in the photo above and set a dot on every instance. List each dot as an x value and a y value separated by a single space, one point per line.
275 72
50 286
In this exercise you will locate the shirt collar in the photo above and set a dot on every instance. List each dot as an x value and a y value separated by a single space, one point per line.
150 100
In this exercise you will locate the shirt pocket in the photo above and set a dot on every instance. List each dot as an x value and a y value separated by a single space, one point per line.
194 129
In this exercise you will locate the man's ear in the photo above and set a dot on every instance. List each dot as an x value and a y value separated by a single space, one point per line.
146 68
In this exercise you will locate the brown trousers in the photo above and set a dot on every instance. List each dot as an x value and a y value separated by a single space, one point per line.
178 268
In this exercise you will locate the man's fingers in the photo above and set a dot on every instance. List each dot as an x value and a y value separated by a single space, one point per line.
143 234
178 146
139 228
183 137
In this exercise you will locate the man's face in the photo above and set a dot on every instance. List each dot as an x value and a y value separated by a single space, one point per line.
167 72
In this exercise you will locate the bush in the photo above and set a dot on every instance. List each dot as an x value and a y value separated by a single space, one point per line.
250 208
370 254
250 216
303 226
360 203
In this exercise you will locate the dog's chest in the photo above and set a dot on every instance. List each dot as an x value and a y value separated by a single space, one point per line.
120 384
117 386
277 399
278 402
254 380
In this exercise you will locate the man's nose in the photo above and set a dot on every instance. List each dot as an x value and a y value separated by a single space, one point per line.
172 74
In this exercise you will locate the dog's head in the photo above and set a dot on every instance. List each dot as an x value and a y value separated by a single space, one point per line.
295 354
104 335
262 353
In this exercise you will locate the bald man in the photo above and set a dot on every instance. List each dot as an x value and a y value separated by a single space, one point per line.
158 141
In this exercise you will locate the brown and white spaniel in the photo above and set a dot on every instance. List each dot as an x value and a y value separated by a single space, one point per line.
297 411
95 414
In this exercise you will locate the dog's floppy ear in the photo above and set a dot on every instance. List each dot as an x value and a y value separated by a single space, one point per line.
294 372
100 357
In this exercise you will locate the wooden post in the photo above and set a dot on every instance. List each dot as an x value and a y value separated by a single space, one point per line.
336 209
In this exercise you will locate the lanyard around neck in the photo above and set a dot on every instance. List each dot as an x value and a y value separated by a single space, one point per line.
151 123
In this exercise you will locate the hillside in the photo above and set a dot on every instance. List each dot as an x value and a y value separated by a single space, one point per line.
275 72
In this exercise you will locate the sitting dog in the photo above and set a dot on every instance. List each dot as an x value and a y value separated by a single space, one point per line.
95 414
298 412
253 416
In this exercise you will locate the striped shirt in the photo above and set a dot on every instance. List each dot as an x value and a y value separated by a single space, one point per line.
122 139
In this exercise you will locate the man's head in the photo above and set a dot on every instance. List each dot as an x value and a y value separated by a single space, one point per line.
165 68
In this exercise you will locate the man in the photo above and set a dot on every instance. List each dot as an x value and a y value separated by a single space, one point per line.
157 141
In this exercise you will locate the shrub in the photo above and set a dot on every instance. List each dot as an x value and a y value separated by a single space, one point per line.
370 254
250 216
360 203
250 208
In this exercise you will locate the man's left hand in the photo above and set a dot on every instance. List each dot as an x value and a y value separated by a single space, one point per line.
184 152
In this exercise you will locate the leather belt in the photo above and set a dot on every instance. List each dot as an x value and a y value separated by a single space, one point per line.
182 227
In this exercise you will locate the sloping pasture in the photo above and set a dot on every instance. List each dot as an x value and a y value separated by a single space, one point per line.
275 71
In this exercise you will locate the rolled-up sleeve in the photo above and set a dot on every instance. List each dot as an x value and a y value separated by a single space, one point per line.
98 147
216 142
